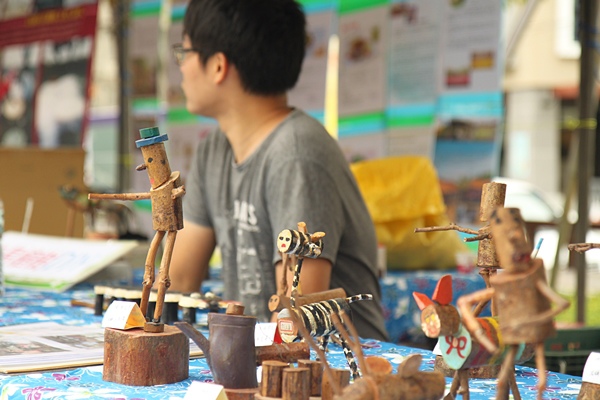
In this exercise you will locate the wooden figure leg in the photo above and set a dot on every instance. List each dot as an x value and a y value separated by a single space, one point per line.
463 390
454 386
540 364
296 282
507 367
163 274
512 380
149 271
350 358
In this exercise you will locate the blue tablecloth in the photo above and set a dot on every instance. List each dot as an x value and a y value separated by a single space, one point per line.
24 306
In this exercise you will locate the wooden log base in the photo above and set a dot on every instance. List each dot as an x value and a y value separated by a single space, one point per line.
138 358
154 327
241 394
258 396
485 372
589 391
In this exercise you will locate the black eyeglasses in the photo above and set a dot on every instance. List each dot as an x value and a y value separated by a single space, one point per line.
180 52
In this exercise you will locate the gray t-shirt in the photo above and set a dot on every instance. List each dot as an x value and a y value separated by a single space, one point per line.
297 174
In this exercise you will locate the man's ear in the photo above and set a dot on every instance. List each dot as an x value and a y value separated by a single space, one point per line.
219 67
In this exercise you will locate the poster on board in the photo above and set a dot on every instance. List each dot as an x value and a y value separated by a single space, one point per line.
45 62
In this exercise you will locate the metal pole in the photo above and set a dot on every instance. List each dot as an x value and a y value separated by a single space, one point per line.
121 10
588 103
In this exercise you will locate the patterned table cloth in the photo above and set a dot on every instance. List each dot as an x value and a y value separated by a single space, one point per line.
23 306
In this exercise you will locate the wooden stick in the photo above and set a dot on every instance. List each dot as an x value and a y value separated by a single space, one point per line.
118 196
451 227
354 342
283 352
583 247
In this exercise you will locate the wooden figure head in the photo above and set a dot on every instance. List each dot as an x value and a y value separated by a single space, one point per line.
493 195
438 316
300 244
510 238
155 156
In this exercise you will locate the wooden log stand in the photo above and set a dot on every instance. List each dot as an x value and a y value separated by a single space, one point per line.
139 358
589 391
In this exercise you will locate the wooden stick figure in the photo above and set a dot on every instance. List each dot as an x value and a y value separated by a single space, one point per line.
522 295
493 195
167 216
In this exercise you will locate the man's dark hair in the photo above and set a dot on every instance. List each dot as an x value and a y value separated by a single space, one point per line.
264 39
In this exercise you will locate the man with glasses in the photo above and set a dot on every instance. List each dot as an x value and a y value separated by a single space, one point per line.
267 167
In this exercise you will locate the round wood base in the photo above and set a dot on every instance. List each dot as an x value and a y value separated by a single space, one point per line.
138 358
485 372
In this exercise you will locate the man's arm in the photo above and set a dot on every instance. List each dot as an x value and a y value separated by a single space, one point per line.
315 276
193 248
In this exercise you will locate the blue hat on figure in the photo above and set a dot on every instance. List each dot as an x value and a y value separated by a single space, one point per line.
150 136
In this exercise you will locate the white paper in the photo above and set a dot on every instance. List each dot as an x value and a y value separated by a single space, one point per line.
204 390
469 48
414 40
56 263
591 370
117 314
264 334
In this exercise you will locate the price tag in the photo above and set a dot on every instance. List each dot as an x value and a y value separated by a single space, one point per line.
591 371
264 333
204 390
123 315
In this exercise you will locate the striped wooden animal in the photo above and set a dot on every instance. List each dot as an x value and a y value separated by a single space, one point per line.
317 318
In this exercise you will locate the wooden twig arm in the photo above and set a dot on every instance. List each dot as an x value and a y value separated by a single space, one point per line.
583 247
118 196
178 192
451 227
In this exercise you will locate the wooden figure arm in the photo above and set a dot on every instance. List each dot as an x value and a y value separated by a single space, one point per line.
465 305
451 227
583 247
118 196
178 192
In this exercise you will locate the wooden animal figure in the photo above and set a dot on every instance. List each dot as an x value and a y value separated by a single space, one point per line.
165 194
377 381
523 299
316 318
299 244
460 350
294 245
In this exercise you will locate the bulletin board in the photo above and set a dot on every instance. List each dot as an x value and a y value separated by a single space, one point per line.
38 173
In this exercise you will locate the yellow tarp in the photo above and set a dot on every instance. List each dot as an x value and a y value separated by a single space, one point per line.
403 193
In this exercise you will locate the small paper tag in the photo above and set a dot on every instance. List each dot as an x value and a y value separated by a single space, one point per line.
591 371
204 390
264 333
123 315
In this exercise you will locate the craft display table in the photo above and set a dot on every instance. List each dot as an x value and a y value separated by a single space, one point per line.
24 306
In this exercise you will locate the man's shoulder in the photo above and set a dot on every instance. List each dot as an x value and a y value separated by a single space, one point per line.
301 133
